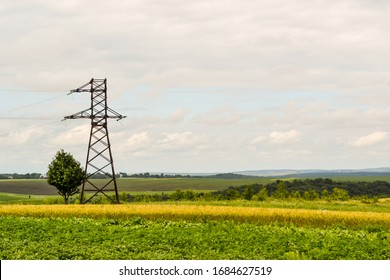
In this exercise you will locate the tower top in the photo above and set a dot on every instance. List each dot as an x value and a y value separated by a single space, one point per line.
99 108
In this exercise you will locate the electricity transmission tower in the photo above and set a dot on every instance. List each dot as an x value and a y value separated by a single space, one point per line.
99 161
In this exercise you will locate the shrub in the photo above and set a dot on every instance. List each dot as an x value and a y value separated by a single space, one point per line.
310 195
340 194
177 195
189 195
249 192
296 195
232 194
263 194
281 191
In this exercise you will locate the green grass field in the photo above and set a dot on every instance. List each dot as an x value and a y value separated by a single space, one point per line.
10 197
358 178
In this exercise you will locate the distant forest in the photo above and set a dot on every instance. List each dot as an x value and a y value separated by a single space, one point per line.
138 175
162 175
318 186
309 189
21 176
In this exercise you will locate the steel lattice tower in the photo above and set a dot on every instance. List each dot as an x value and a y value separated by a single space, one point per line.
99 161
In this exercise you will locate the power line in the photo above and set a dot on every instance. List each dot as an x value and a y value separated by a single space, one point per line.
32 104
29 118
31 90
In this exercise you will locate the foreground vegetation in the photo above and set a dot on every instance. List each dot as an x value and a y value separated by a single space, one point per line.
182 231
146 239
251 220
196 213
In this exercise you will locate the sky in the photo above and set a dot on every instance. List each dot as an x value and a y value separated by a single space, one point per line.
207 86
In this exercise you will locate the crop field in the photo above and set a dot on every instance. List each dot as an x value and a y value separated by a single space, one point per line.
196 213
138 238
159 231
34 226
27 186
41 187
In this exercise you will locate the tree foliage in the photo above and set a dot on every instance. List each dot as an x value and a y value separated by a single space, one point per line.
249 192
66 174
309 189
340 194
263 193
281 190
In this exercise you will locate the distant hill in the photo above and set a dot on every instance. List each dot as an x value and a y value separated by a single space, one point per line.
231 176
335 175
307 173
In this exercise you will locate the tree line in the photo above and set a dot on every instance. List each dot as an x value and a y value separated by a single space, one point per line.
309 189
314 187
21 176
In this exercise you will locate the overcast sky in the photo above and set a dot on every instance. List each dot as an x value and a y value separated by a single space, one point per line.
207 86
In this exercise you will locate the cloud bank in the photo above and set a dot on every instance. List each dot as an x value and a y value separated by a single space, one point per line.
206 86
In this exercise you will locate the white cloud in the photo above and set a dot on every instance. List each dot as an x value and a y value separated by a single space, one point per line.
277 137
258 140
28 135
138 141
221 115
177 141
370 139
247 43
77 136
178 115
219 78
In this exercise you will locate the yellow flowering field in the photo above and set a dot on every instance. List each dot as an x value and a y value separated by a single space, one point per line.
299 217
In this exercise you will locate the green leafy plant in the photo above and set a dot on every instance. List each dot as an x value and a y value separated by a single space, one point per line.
28 238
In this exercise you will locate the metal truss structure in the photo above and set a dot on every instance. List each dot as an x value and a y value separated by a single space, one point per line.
100 165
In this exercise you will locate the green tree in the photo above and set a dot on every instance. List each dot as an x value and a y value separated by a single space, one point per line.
263 194
232 194
310 195
66 174
325 195
281 191
340 194
189 195
249 192
177 195
296 195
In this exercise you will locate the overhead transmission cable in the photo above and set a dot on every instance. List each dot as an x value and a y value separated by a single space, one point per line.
28 105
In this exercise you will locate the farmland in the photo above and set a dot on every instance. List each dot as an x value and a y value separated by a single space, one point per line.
291 228
40 186
193 231
196 213
138 238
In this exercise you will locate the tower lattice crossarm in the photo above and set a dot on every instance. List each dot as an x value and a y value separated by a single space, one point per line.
99 168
